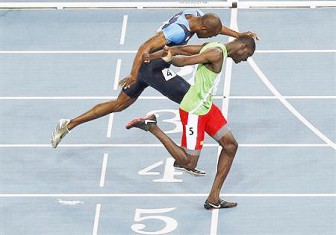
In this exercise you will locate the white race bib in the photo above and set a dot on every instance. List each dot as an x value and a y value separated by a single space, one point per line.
168 74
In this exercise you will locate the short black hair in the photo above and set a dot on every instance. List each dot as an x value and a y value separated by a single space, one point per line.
212 21
248 41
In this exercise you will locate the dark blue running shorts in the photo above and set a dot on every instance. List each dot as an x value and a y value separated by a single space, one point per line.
158 75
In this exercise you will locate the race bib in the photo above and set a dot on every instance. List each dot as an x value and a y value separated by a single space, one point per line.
168 74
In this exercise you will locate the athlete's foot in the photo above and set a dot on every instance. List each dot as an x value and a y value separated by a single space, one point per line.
142 123
60 131
220 204
194 172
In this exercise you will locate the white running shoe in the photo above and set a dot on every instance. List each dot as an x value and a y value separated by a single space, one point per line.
60 131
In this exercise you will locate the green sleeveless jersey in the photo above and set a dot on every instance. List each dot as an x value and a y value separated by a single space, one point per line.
198 99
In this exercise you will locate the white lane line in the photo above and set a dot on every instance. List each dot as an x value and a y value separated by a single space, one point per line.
135 51
214 222
103 171
225 109
269 195
227 88
156 97
286 97
155 145
71 52
117 75
110 125
123 30
269 85
75 98
69 202
294 51
96 220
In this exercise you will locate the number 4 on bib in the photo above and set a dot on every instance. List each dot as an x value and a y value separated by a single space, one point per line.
168 74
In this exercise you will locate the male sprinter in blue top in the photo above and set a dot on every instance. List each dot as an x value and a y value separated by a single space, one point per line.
177 31
199 115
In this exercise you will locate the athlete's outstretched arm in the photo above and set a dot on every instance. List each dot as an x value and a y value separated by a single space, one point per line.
177 50
229 32
212 58
154 43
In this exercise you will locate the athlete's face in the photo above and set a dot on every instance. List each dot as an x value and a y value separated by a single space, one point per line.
206 33
242 54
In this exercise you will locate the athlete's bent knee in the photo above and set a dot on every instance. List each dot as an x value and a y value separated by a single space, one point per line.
231 147
229 144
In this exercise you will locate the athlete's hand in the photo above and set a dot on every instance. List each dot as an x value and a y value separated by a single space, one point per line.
127 82
250 34
145 57
167 54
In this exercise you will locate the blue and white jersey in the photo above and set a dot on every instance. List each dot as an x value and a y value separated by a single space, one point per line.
176 29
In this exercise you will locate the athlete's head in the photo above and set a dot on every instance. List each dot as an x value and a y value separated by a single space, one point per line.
210 25
241 48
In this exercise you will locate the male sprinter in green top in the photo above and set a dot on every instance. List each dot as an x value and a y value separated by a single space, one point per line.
197 112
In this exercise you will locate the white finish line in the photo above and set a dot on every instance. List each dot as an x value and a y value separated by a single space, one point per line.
32 195
167 4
